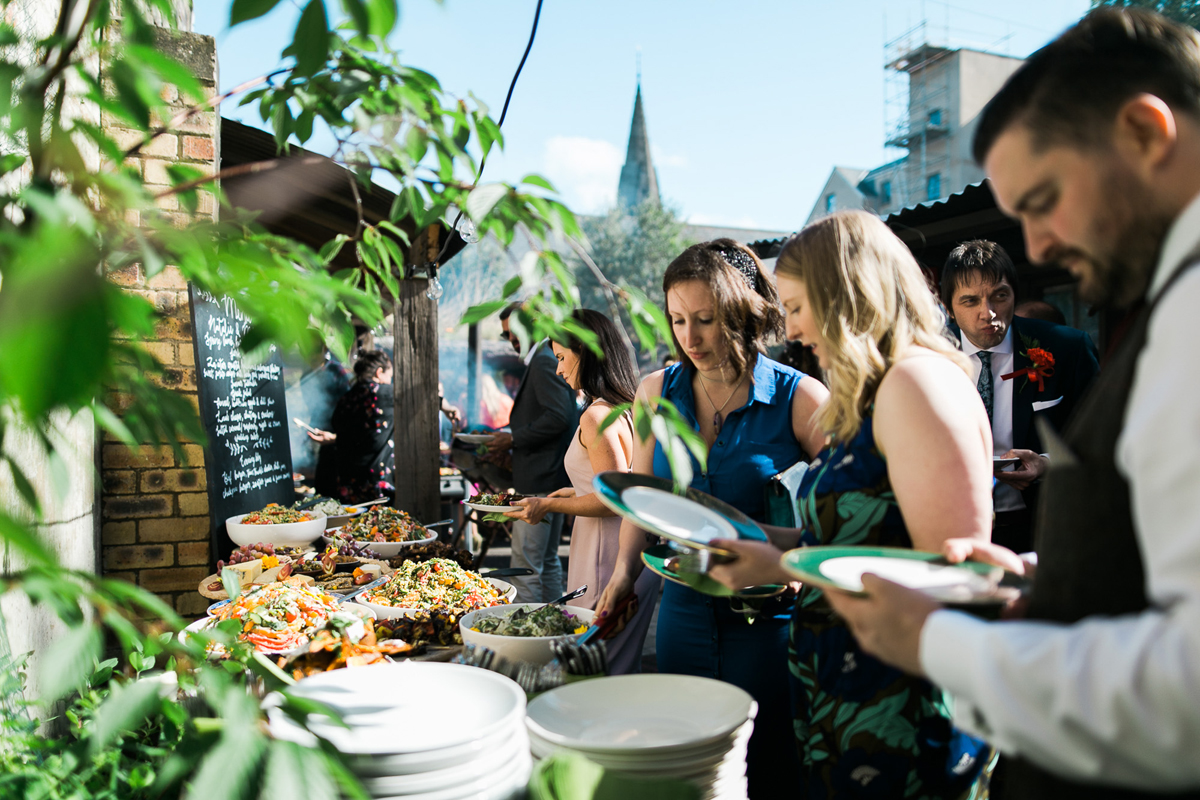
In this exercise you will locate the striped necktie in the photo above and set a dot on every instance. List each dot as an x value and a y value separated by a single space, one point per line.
985 381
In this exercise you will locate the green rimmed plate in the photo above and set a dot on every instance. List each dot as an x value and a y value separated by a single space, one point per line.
967 584
692 519
655 559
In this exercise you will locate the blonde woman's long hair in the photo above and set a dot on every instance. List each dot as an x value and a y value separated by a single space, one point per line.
870 302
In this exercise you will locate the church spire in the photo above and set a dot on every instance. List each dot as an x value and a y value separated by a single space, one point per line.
639 182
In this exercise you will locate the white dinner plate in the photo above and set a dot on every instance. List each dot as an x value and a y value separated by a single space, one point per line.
455 756
677 517
639 712
498 784
475 438
670 757
929 577
482 507
487 764
407 707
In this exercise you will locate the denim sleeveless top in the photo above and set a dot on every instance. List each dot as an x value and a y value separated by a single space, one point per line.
756 440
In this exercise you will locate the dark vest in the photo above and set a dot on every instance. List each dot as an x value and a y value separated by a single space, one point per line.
1088 558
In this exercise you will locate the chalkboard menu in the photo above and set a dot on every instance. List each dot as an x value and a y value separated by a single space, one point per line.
242 406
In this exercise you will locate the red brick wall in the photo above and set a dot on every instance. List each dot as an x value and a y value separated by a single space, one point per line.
155 523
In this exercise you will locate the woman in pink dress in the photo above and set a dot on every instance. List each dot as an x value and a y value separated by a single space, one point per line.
595 540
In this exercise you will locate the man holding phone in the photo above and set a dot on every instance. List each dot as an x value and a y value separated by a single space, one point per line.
1009 357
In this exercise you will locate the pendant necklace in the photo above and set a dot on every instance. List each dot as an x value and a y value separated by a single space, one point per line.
717 420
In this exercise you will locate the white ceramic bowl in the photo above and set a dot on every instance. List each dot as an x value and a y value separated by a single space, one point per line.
406 708
339 520
533 649
506 589
384 550
640 712
292 534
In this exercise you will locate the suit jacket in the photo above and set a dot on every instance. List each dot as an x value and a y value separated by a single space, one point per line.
1075 366
543 420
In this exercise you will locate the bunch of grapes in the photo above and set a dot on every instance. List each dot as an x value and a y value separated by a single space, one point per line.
349 547
248 552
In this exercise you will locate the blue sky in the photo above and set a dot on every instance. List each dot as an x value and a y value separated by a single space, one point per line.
749 104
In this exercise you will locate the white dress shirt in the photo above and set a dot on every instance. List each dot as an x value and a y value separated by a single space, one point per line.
1112 699
1005 497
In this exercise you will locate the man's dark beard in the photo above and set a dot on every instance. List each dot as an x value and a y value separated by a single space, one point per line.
1121 279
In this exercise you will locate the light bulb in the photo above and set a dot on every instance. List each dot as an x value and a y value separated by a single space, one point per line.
466 229
435 290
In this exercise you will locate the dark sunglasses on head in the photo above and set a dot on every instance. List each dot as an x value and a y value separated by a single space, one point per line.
505 335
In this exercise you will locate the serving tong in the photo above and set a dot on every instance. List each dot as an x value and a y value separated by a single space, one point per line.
694 561
571 595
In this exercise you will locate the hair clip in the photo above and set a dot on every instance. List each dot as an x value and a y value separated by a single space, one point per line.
740 260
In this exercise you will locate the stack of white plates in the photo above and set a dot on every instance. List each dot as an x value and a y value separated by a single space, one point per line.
651 726
421 730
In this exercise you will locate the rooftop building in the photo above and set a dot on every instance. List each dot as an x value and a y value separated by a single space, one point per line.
943 92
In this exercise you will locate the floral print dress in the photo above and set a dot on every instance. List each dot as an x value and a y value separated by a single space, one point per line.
863 728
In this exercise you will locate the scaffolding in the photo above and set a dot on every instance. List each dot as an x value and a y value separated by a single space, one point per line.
918 113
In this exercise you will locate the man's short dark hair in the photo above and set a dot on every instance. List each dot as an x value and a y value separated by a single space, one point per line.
973 260
1069 91
509 310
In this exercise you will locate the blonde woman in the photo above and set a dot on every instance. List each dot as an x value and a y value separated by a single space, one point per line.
908 464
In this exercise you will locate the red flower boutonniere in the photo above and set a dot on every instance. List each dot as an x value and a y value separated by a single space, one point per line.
1043 365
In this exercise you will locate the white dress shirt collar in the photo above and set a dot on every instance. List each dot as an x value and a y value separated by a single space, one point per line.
1006 344
533 351
1182 240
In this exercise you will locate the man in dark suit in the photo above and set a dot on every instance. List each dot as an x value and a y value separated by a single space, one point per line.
543 420
1032 367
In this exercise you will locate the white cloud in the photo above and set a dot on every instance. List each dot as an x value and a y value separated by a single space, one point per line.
585 171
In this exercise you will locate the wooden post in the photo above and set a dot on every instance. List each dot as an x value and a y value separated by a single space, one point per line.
415 381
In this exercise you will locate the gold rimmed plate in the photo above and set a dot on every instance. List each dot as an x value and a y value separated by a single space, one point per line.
656 560
970 583
693 519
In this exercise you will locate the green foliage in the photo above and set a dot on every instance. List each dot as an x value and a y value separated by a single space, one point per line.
1184 11
634 251
70 231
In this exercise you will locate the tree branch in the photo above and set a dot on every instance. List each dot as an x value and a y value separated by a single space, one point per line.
241 169
188 113
608 287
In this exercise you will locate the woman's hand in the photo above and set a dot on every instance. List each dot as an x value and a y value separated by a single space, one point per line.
957 551
566 492
619 586
756 563
322 437
532 509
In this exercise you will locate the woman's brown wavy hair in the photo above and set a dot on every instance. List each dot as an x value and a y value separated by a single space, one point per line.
748 319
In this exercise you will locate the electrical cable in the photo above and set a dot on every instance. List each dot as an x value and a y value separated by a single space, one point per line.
537 15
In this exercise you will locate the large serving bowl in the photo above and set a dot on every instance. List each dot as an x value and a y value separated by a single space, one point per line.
211 621
533 649
384 550
292 534
507 590
339 520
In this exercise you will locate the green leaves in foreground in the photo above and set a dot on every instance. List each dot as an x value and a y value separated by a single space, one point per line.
69 660
679 440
